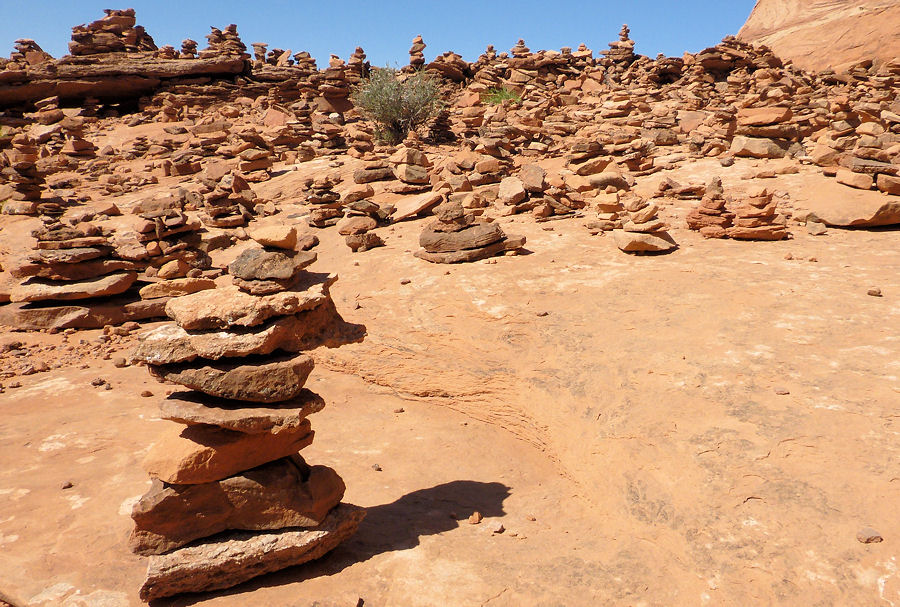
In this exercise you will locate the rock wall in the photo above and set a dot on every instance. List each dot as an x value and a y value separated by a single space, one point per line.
826 34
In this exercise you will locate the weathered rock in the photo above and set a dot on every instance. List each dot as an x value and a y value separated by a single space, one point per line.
306 330
278 236
857 209
70 271
39 289
202 454
356 224
260 264
511 191
758 116
510 243
472 237
283 493
532 178
762 232
240 556
265 381
889 184
363 242
194 408
757 147
230 307
176 287
643 242
413 205
860 181
115 311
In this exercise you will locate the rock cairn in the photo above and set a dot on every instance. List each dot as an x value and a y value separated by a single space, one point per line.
188 49
457 236
224 42
325 201
417 53
621 51
410 165
21 173
643 231
114 33
711 218
231 497
756 218
229 204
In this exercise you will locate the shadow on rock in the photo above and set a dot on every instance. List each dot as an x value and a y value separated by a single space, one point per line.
386 528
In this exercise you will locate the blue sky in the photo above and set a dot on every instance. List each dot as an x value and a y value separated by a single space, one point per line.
385 28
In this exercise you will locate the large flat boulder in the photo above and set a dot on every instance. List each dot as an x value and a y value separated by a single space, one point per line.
472 237
239 556
838 206
230 307
41 289
283 493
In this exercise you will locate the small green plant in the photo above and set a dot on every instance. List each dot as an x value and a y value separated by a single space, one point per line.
498 94
397 103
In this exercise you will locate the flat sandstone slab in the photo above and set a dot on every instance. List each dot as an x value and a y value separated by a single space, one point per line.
266 380
39 289
196 408
229 306
240 556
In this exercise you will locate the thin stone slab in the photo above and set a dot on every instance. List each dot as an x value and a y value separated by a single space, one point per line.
176 287
643 242
69 255
72 271
196 408
283 493
264 380
114 311
230 307
472 237
236 557
40 289
510 243
307 330
202 454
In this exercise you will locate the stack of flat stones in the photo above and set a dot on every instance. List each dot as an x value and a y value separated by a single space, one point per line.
23 195
756 218
417 53
72 263
231 498
326 202
643 231
229 204
410 166
456 236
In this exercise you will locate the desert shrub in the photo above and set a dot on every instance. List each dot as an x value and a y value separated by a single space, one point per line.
498 94
397 104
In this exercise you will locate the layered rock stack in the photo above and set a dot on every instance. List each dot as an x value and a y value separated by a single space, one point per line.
229 204
417 53
188 49
457 236
114 33
756 218
610 213
224 42
326 202
357 66
711 218
411 166
622 50
28 52
231 497
361 216
22 195
643 231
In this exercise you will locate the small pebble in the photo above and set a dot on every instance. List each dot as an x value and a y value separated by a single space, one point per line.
475 518
66 485
788 256
498 529
782 391
119 362
405 281
874 292
867 535
99 381
146 393
543 314
376 467
400 410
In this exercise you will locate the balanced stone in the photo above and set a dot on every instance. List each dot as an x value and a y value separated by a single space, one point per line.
267 381
202 454
229 306
39 289
260 264
194 408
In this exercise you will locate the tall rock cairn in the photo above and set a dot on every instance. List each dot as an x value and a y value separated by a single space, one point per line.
231 498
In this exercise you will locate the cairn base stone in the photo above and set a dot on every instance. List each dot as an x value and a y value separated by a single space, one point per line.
284 493
236 557
510 243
